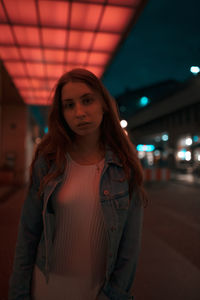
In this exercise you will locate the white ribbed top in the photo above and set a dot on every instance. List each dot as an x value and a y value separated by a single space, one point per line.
80 244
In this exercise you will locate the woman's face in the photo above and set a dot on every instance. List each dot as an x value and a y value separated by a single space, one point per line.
81 104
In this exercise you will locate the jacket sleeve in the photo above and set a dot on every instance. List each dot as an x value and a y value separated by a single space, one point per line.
122 277
29 233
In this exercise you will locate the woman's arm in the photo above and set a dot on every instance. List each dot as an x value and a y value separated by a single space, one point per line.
29 233
121 281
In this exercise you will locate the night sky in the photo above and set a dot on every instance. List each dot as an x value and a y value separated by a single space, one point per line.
163 44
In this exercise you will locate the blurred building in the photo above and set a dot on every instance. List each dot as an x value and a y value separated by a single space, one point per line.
164 123
19 133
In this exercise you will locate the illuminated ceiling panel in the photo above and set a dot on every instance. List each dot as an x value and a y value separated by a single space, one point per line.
6 36
52 55
111 14
2 14
42 39
31 54
9 53
28 36
85 16
22 83
60 13
21 11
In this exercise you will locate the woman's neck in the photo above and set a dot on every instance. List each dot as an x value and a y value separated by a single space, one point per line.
87 145
83 153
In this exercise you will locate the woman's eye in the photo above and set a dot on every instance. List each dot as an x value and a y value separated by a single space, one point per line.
68 105
87 100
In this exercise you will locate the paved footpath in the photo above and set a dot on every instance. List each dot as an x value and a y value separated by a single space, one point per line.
169 264
10 209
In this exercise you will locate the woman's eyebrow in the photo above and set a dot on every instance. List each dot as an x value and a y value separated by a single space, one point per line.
87 94
82 96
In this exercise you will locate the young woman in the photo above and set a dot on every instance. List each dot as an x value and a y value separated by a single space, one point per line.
80 227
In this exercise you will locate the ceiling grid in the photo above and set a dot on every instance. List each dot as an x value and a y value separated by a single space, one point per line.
41 39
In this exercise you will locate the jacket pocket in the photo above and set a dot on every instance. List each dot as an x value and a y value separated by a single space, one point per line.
122 203
120 207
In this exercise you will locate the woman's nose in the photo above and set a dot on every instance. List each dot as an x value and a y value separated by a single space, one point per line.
79 109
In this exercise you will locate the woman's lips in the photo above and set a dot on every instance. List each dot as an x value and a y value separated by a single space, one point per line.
83 125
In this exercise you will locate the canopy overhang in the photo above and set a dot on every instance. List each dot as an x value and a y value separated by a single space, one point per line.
42 39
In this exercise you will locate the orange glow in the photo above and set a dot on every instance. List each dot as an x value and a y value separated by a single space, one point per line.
123 15
52 83
33 54
6 35
54 37
54 70
78 57
27 94
9 53
125 2
2 14
22 82
27 36
40 40
106 41
85 16
44 94
97 58
54 55
80 40
53 13
15 68
39 83
21 11
96 70
35 69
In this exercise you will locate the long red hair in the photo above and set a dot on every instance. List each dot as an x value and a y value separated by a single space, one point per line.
54 144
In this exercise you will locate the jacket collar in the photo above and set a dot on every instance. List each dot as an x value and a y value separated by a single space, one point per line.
111 157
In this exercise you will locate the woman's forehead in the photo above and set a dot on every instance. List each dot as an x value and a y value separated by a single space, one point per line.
76 89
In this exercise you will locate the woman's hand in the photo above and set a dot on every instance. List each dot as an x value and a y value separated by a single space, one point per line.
102 296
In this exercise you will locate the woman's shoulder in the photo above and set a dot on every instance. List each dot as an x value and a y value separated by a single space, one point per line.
40 164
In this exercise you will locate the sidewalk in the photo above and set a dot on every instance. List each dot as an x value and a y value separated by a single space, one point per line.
188 179
169 265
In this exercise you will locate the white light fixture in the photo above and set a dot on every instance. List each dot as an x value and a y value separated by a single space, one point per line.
188 141
188 155
144 101
123 123
157 153
147 148
165 137
141 154
195 70
181 154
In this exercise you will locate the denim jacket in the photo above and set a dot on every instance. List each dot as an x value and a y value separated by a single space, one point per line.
36 231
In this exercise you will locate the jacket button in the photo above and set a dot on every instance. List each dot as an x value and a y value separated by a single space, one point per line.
106 192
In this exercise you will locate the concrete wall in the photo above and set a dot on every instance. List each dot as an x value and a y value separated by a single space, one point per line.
15 134
14 126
